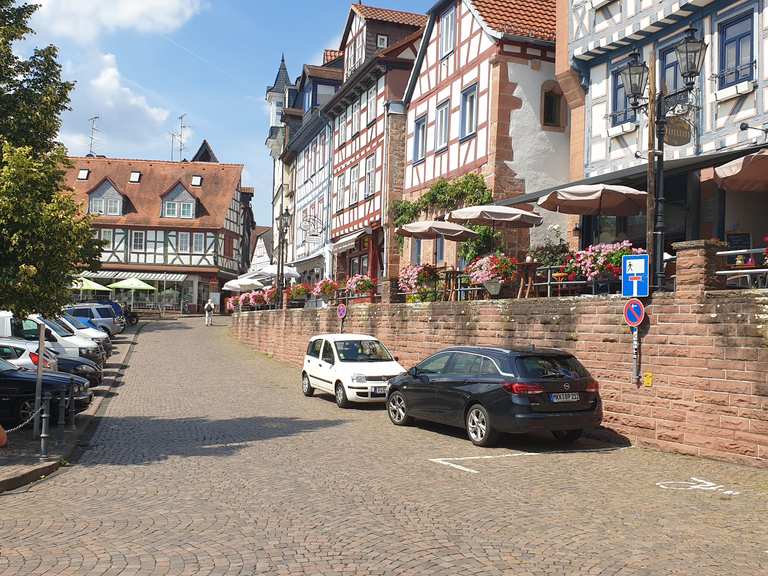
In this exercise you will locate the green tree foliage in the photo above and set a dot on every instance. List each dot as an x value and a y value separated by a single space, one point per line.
44 238
444 196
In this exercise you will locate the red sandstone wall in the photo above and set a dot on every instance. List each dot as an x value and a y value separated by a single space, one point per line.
707 353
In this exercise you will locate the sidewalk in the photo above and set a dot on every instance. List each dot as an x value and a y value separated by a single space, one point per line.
19 460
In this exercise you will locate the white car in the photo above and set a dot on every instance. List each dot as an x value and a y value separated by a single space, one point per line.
23 353
352 367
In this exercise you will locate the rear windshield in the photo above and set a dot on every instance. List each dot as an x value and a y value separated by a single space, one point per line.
362 351
550 367
106 311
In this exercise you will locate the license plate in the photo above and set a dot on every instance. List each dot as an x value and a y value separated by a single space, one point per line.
565 397
379 389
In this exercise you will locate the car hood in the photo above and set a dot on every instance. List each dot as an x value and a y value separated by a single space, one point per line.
373 368
92 333
80 342
50 379
72 363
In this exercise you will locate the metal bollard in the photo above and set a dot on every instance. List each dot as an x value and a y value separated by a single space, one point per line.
72 411
62 412
44 434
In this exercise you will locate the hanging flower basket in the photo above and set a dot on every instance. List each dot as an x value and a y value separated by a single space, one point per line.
325 289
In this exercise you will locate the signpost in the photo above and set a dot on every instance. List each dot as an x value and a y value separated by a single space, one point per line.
634 314
634 276
341 312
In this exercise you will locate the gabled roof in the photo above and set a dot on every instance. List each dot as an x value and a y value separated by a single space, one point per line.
525 18
411 19
281 80
204 153
219 185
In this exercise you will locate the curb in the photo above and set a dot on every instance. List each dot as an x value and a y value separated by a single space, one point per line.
86 417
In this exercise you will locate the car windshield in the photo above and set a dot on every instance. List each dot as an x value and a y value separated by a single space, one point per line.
362 351
551 367
57 328
5 366
74 321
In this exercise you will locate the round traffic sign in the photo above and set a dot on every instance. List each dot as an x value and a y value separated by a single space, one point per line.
341 311
634 312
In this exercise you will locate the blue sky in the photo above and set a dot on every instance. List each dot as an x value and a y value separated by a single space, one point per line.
139 64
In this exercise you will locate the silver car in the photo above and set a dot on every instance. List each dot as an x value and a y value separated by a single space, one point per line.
23 353
101 315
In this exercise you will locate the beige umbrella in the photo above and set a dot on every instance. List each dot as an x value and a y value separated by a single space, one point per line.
596 199
745 174
516 217
431 229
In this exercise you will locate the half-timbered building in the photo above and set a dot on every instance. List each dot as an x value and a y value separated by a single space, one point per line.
379 49
176 225
309 156
483 98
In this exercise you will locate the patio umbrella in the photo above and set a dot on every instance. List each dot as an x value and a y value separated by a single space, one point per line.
270 271
597 199
745 174
87 284
132 284
243 285
431 229
492 213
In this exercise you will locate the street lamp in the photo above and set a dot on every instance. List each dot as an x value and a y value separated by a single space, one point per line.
283 221
690 58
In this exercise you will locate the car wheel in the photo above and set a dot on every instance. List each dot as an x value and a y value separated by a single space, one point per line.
306 387
341 396
479 428
398 409
567 436
24 410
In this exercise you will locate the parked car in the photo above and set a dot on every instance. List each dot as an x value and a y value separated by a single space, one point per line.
352 367
490 390
17 390
81 329
84 368
59 340
24 354
102 315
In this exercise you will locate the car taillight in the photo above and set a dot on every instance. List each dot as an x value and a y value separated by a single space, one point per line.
34 357
593 386
520 388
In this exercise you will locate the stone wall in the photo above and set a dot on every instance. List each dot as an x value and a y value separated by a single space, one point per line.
705 351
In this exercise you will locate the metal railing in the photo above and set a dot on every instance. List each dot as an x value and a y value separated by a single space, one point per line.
753 273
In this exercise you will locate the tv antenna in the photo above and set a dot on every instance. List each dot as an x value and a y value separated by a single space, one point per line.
181 136
92 138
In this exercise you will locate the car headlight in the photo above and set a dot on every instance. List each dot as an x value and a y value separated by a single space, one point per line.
85 369
359 378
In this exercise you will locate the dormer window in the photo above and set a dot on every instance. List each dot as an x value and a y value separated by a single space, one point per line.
105 200
197 180
135 177
171 210
179 203
96 206
187 210
83 174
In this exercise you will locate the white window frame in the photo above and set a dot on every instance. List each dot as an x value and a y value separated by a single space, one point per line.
448 32
182 243
370 176
197 180
108 236
115 203
373 93
420 138
135 234
382 41
340 185
83 174
135 177
97 206
469 112
355 117
442 125
198 238
171 213
191 206
354 184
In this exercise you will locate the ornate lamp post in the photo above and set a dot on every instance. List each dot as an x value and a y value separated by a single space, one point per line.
283 221
690 58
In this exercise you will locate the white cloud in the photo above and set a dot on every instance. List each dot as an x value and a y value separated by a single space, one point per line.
85 20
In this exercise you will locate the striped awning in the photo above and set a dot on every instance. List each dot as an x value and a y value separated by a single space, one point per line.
114 275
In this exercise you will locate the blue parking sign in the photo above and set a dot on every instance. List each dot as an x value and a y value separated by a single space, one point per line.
635 276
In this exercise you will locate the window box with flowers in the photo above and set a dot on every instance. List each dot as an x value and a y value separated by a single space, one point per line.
257 298
419 283
492 272
325 289
299 292
358 285
599 262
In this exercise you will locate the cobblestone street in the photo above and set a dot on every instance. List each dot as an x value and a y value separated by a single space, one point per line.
208 460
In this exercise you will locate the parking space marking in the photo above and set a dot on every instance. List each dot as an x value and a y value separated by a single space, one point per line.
696 484
451 462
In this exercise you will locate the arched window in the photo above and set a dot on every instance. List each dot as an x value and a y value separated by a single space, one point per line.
553 111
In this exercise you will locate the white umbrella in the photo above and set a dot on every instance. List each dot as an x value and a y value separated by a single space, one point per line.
432 229
270 271
597 199
243 285
492 213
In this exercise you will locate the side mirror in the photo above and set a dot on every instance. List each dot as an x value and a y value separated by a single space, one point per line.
413 372
397 359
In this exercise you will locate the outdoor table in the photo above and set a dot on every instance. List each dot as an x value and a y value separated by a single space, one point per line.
527 277
758 276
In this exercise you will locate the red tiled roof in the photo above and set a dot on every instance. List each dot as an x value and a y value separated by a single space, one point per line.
387 15
330 55
532 18
220 181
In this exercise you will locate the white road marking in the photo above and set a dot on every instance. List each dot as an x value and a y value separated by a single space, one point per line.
695 484
451 461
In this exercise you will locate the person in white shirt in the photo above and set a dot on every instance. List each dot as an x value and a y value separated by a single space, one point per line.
209 308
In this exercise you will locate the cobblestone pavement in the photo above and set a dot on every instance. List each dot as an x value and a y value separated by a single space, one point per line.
210 461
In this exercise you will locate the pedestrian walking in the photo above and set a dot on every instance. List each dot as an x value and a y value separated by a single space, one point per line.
209 308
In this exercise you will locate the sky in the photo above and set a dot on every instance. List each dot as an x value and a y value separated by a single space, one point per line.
139 64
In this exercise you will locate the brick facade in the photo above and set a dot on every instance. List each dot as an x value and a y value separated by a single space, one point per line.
706 351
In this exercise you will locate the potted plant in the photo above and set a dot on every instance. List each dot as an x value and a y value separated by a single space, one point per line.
257 298
360 284
299 292
270 295
492 271
325 289
230 305
419 282
245 301
600 261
